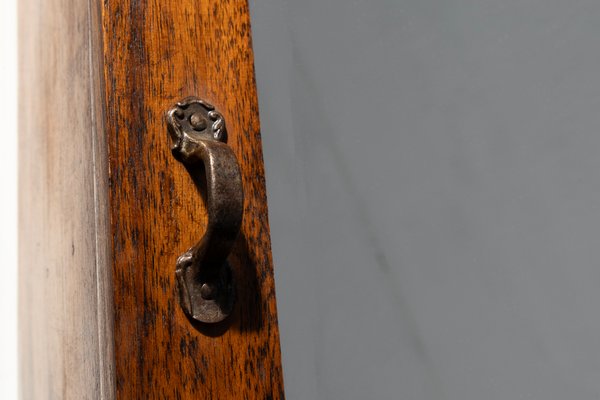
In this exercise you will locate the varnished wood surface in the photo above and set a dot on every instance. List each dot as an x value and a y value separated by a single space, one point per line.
65 306
155 53
105 209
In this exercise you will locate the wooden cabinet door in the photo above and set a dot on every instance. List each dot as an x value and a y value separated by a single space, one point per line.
105 209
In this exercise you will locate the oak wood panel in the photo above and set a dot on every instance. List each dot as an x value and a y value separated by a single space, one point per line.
65 306
155 53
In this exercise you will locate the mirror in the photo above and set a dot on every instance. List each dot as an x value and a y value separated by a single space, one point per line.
434 191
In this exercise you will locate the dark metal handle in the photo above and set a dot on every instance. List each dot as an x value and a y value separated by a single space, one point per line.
198 136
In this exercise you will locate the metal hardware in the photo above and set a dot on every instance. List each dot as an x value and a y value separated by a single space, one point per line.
198 136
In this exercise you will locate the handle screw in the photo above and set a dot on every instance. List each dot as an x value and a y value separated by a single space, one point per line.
207 291
198 122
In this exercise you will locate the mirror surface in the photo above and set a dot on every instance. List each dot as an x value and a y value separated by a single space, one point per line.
434 194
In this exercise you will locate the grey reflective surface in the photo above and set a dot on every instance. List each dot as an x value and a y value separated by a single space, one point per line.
434 193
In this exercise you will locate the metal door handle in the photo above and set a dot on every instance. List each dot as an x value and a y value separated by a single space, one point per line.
198 136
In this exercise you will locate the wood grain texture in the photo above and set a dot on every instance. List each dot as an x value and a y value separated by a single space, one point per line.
105 209
155 53
65 288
